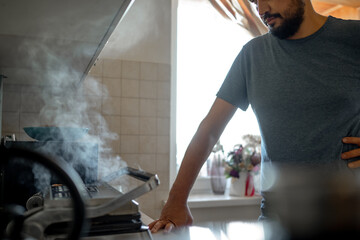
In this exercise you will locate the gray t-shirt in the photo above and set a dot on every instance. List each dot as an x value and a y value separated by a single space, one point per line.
305 93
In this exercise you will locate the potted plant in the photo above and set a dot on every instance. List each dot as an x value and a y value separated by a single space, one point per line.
240 163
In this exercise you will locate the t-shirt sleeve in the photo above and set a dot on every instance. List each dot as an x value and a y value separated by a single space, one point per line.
233 89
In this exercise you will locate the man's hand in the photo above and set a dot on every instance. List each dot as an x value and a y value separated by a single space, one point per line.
172 216
352 153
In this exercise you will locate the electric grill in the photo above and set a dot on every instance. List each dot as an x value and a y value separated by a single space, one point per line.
108 205
108 210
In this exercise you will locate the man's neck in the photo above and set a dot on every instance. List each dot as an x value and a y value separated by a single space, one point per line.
311 24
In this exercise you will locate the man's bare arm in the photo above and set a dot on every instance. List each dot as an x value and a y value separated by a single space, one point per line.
176 211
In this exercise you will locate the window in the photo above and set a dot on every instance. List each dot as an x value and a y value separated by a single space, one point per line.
207 45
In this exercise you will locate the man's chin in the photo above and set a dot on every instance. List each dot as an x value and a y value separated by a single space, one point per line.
285 30
279 33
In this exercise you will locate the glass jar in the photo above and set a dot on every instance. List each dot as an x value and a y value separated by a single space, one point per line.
217 169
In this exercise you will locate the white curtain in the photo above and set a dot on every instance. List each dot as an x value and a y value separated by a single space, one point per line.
241 12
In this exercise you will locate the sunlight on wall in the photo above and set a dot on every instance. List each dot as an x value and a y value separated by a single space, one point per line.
207 46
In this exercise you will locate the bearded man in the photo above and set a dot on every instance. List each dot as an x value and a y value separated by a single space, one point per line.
302 80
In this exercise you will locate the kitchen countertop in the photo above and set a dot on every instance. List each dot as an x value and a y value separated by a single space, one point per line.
242 230
216 231
259 230
209 231
212 231
234 230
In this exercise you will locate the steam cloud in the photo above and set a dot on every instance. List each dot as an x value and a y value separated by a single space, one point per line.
71 103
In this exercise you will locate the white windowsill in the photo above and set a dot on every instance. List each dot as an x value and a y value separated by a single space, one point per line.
207 200
202 197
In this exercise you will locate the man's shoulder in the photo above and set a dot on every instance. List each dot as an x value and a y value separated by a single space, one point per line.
344 24
344 21
344 30
257 42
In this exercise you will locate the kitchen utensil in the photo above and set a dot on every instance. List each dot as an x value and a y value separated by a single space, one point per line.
55 133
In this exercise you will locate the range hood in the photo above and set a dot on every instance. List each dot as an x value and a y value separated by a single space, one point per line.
45 39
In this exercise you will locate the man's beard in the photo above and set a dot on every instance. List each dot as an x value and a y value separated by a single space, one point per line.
291 20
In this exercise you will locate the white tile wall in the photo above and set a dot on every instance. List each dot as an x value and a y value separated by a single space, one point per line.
111 68
148 89
130 70
133 99
113 87
149 71
130 88
148 108
130 107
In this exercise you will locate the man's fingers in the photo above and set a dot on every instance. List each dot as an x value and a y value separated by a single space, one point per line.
351 154
157 226
352 140
169 227
151 225
354 164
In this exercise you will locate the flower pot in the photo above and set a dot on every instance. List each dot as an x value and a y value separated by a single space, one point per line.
238 185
